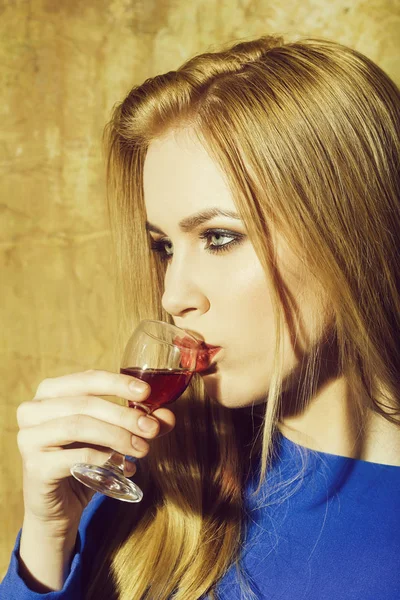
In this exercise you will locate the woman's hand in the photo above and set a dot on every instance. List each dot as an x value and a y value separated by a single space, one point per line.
67 423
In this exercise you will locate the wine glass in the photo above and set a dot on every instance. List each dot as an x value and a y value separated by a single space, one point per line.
164 356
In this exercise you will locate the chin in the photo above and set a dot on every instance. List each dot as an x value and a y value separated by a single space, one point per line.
229 396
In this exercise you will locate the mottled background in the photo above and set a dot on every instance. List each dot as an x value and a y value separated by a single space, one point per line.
63 65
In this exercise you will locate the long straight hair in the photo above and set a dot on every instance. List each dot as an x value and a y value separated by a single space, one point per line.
307 134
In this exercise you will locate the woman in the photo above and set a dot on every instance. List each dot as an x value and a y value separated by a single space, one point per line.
256 196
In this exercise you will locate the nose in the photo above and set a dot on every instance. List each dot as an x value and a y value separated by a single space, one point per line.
183 295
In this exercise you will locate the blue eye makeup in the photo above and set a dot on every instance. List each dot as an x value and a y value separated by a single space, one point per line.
217 241
220 240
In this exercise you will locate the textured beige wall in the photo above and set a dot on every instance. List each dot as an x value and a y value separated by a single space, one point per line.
63 64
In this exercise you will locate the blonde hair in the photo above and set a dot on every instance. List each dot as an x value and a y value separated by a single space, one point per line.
307 134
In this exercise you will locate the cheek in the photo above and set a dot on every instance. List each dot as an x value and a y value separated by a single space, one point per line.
247 318
249 307
246 312
239 284
241 307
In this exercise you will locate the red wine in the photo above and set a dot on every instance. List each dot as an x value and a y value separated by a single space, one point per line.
166 384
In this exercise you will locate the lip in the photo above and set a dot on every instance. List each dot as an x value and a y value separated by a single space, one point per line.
205 352
211 350
205 357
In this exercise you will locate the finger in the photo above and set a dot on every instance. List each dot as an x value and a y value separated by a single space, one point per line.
54 466
100 383
80 428
166 420
30 414
129 466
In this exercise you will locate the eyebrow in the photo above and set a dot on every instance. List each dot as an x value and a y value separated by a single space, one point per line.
189 223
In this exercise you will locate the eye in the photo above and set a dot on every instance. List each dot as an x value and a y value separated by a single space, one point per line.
220 240
163 247
217 240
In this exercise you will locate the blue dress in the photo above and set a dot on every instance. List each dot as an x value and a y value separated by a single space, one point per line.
331 533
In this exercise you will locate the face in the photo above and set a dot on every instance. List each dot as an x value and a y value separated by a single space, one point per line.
215 285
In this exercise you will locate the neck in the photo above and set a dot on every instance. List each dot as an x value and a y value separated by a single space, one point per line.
330 424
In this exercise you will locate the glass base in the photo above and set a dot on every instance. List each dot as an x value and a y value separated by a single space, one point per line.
107 482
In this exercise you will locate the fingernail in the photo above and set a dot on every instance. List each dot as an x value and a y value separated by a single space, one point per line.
147 424
138 387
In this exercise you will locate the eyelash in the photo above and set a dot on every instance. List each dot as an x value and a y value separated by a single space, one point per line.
236 238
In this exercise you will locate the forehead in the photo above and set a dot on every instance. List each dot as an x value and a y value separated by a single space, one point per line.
180 176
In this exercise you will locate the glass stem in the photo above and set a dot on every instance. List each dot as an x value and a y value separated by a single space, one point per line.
115 463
